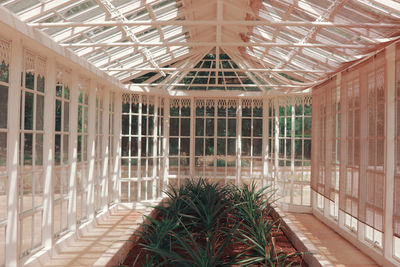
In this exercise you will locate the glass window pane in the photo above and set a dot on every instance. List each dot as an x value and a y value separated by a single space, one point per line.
65 148
3 149
173 146
174 127
246 127
199 127
144 147
66 116
39 149
59 90
58 116
40 83
134 146
144 125
151 125
246 146
29 80
210 127
4 73
221 146
231 147
3 106
221 131
125 124
39 112
28 118
57 149
199 149
257 147
231 127
185 147
185 111
209 146
124 146
257 128
134 125
80 119
66 92
185 127
246 112
28 142
80 147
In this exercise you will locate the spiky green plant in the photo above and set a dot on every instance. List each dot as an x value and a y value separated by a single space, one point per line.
200 221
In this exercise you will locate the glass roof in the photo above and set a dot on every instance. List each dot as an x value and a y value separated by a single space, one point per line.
286 45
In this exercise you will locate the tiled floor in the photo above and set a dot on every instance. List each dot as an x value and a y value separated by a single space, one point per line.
334 247
91 245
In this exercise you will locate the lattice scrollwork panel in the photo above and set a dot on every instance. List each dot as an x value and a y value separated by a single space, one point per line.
185 102
5 51
126 98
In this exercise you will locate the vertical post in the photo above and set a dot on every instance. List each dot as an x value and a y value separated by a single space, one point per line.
14 93
91 148
117 144
239 142
276 139
329 134
390 150
49 119
106 149
343 146
155 146
364 146
166 142
139 178
292 144
73 150
192 135
265 142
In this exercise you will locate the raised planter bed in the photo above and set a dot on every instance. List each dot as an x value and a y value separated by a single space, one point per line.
209 225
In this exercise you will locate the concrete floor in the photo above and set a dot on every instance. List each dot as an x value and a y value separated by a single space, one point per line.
86 250
334 247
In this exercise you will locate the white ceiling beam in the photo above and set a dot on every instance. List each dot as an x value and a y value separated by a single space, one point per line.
215 69
198 44
213 23
226 85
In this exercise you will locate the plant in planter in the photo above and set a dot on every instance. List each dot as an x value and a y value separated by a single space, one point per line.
206 224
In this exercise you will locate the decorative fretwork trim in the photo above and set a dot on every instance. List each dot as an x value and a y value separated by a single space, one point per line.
5 51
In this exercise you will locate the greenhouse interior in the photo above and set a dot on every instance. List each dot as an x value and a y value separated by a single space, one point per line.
105 105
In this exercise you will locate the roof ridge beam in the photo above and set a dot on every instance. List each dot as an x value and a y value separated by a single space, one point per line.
213 23
196 44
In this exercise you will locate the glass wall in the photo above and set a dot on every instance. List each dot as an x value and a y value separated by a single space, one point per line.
4 85
179 140
98 178
139 147
353 162
82 170
112 170
31 152
224 140
61 151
